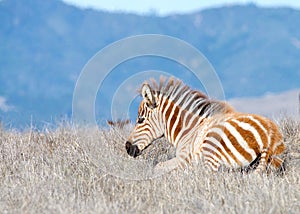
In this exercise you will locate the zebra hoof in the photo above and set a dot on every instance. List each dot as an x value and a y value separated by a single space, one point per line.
132 150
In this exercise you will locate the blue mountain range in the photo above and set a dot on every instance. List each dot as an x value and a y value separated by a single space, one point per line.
45 44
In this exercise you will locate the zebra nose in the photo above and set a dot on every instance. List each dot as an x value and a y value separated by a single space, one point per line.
132 150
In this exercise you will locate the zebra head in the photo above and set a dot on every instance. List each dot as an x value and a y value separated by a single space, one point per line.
148 125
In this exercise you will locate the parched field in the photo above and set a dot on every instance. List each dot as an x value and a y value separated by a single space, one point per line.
87 170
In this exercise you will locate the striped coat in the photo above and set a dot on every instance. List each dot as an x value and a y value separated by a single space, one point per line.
201 128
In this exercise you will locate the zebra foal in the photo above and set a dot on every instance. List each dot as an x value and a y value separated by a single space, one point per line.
202 128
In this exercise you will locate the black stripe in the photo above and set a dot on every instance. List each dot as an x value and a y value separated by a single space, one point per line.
204 108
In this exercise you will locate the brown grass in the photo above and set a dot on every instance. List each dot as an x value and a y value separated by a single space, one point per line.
86 170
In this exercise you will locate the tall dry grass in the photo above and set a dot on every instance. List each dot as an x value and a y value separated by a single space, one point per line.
87 170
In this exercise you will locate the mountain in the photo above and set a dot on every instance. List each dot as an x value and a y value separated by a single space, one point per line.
44 45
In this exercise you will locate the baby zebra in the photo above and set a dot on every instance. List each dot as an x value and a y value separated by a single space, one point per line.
200 127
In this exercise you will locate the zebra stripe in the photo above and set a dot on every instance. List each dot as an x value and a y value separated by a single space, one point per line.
237 137
200 127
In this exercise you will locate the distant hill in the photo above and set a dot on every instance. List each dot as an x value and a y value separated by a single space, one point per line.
44 44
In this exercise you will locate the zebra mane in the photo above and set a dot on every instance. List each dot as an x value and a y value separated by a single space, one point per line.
191 100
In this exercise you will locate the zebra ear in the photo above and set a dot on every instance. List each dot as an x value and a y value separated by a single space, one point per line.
148 96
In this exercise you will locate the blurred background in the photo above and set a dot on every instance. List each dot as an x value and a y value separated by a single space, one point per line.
44 44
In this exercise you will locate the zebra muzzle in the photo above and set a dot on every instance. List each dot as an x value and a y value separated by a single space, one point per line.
132 150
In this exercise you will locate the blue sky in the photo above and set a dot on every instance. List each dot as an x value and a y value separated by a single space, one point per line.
164 7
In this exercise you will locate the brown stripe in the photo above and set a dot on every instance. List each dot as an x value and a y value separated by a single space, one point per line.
173 120
164 105
168 112
276 145
188 118
167 115
142 133
219 150
209 159
179 125
229 152
193 124
260 131
237 145
214 155
213 165
160 103
185 157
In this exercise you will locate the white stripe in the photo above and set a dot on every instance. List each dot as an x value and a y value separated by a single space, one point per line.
170 137
175 92
190 100
218 144
250 128
183 96
263 128
258 123
166 122
208 160
155 125
177 121
178 118
240 140
231 148
183 139
206 145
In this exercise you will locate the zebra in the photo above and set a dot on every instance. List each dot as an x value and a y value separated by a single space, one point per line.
201 128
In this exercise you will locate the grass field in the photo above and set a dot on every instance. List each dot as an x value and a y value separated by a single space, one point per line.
87 170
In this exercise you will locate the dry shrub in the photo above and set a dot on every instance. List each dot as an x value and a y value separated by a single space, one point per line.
290 129
69 170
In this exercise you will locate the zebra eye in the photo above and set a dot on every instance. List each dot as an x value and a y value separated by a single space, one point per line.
140 119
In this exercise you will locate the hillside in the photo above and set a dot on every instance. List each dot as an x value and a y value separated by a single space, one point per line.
45 44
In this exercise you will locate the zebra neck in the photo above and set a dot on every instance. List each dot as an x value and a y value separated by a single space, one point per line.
181 125
182 115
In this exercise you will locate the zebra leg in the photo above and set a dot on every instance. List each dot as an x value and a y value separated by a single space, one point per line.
263 161
183 157
164 167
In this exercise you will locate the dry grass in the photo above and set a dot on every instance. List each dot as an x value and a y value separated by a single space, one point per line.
85 170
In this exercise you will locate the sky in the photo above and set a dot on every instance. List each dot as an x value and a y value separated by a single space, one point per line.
166 7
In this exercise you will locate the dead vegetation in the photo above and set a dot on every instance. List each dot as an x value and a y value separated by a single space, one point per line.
87 170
